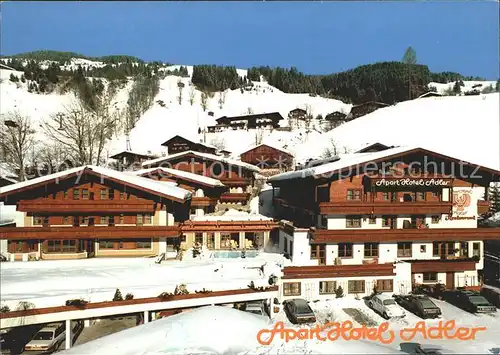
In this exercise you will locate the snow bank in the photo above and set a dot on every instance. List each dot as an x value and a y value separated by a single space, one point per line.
213 330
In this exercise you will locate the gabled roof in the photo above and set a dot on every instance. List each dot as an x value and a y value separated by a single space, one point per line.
189 140
144 184
200 179
205 156
430 93
350 161
276 116
382 104
270 146
129 152
376 145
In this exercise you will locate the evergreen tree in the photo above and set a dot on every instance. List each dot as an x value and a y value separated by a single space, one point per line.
494 192
13 78
339 292
410 59
118 295
456 88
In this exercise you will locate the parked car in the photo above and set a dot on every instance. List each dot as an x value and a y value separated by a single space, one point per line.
419 349
298 311
386 306
492 295
256 308
48 338
419 305
469 301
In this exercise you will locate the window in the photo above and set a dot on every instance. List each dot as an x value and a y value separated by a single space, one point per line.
327 287
430 276
435 219
147 218
404 249
76 194
122 219
69 246
104 194
291 248
198 238
291 289
111 194
66 220
111 220
385 285
371 250
106 244
435 194
211 240
476 250
318 252
139 220
423 248
420 196
84 220
104 219
65 194
225 240
123 195
345 250
353 222
192 211
285 245
143 244
356 286
385 196
62 246
354 195
85 194
37 220
373 220
464 249
389 221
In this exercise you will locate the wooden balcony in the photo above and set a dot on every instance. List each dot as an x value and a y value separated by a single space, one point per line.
483 206
400 235
450 265
229 226
90 232
391 208
86 206
234 197
236 181
324 271
203 201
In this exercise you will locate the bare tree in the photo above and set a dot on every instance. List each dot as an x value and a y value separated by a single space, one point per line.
308 117
204 101
222 99
332 149
83 132
180 86
17 140
53 157
192 95
219 143
259 136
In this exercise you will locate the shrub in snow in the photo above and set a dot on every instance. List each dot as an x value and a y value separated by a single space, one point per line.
24 306
129 296
375 290
203 290
4 309
118 295
181 290
339 292
165 295
77 302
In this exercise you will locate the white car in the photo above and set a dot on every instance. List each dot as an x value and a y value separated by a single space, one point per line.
386 306
48 338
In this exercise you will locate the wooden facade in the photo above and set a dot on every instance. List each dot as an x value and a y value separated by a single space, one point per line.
268 157
179 144
128 158
253 121
365 108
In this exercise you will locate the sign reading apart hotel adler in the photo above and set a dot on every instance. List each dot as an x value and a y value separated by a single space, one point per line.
413 182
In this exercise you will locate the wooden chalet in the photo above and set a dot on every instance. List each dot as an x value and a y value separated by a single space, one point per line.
179 144
236 175
365 108
401 203
297 114
430 94
336 116
93 211
267 157
263 120
128 158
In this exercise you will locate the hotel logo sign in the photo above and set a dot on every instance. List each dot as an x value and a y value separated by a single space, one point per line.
413 182
461 205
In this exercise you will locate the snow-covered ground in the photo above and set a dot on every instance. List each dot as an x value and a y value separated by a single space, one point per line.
51 283
468 85
464 126
238 332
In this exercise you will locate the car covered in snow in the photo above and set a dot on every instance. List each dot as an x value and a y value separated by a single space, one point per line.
48 338
386 306
298 311
419 305
421 349
469 301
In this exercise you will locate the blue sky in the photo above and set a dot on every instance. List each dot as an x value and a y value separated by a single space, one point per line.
315 37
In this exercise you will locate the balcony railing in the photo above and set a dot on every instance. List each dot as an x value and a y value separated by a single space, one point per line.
234 197
203 201
390 208
68 206
328 236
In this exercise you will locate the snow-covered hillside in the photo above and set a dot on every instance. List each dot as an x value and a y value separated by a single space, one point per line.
464 126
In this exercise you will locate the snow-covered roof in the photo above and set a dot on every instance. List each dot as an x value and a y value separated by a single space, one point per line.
205 180
345 161
192 139
206 156
140 182
269 145
7 214
132 153
233 215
